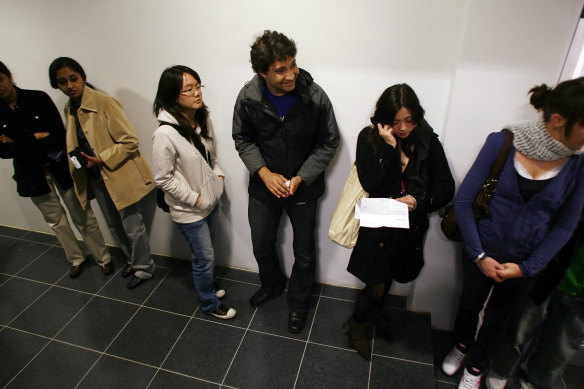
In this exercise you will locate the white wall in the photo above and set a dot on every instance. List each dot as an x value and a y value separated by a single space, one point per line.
470 61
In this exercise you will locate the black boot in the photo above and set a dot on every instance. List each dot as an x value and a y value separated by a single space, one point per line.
358 337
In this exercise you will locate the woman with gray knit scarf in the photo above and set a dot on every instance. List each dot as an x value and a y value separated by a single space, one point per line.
539 198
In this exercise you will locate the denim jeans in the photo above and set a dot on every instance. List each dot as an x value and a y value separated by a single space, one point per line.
556 329
264 220
199 236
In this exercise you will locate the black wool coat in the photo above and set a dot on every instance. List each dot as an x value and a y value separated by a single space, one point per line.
385 254
35 112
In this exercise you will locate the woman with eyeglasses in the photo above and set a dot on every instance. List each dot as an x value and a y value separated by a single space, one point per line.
105 163
33 136
399 156
187 170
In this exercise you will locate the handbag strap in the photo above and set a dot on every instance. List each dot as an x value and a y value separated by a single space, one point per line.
502 157
201 147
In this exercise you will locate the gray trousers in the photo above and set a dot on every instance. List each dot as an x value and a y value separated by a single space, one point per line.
556 327
128 230
84 221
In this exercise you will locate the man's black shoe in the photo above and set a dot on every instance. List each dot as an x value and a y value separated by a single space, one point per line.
296 322
127 270
263 295
134 282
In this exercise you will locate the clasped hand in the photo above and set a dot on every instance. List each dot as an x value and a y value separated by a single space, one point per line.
499 272
276 183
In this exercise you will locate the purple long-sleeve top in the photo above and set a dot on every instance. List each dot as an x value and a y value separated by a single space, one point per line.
531 233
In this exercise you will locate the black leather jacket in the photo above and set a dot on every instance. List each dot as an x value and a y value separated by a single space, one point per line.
302 144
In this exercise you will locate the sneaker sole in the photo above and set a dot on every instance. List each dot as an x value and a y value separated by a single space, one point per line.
229 315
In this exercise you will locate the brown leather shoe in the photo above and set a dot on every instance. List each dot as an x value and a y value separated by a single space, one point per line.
76 270
107 269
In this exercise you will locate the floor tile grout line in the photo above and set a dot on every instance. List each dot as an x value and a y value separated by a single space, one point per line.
49 339
120 331
11 243
445 382
173 346
23 239
30 361
33 260
334 347
238 347
277 335
95 294
371 361
169 352
307 340
58 244
29 305
5 281
404 360
337 299
188 376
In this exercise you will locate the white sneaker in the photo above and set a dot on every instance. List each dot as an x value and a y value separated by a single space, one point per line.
223 312
453 361
220 293
495 381
469 381
524 384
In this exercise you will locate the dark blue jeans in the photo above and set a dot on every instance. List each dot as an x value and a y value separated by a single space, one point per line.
199 236
264 220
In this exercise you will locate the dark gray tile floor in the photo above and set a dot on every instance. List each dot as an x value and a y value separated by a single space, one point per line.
92 332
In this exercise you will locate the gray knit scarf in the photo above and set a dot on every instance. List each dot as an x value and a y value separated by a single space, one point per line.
534 141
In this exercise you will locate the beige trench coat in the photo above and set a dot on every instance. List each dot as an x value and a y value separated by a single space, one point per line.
125 173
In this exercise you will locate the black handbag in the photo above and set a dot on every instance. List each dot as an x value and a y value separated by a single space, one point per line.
160 200
449 224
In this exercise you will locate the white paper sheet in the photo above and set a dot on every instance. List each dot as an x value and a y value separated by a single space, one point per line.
382 212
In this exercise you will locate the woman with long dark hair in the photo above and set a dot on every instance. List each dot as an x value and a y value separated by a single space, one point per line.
539 198
106 163
399 156
187 170
33 136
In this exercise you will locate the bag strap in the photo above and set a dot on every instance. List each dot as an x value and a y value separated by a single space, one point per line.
502 157
202 149
481 202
